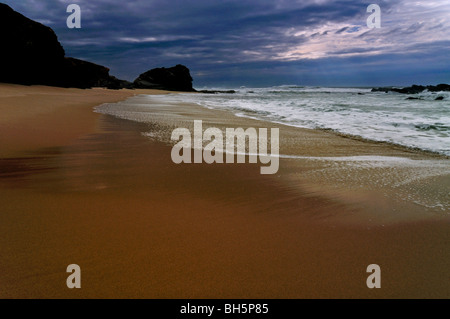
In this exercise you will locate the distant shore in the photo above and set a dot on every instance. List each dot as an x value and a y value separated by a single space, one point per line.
86 188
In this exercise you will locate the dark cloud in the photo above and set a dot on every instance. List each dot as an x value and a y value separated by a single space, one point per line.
253 42
341 30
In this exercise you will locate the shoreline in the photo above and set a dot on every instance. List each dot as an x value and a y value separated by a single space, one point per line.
399 147
140 226
316 153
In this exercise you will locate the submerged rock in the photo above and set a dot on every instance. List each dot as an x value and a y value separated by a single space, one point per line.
217 91
414 89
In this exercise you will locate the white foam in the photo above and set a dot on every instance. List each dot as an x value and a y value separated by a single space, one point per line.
423 124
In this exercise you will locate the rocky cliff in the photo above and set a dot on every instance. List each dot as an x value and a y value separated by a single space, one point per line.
32 54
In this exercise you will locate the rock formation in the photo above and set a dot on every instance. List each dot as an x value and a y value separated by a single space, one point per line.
177 78
32 54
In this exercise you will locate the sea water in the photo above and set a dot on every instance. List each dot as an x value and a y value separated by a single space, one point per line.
422 122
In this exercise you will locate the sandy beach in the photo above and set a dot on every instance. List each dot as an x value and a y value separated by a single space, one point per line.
79 187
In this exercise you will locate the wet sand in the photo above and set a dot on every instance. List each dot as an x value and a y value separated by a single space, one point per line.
105 197
35 117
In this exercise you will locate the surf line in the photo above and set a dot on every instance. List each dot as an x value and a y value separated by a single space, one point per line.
222 148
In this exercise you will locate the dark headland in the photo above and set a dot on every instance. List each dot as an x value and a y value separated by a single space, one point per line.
32 55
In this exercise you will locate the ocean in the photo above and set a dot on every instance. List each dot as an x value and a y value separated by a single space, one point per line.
422 123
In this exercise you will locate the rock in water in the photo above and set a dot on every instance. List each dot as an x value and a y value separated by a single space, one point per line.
177 78
413 98
414 89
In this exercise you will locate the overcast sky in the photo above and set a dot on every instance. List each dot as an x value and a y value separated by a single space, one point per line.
227 43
